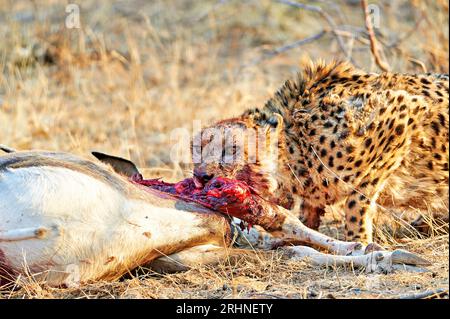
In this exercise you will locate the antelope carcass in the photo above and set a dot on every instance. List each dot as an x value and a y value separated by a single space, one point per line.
66 220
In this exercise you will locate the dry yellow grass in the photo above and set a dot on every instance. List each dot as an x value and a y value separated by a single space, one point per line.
136 70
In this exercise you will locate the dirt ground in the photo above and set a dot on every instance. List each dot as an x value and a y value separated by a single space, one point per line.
133 71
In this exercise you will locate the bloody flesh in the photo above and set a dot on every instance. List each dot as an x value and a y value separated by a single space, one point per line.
228 196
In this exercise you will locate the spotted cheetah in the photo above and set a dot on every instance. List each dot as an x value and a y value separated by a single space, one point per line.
368 141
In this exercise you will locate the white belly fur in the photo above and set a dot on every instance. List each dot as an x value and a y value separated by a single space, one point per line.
68 225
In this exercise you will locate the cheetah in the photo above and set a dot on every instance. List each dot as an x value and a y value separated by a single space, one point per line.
341 135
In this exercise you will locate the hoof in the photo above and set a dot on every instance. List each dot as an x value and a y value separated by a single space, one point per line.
398 260
372 247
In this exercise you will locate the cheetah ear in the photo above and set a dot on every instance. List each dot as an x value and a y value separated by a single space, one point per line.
276 121
273 131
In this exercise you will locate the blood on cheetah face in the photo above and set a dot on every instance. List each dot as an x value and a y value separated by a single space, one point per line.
242 150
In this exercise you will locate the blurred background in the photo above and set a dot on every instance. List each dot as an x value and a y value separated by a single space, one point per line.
119 76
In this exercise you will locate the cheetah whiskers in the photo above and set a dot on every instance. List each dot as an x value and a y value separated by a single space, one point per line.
293 172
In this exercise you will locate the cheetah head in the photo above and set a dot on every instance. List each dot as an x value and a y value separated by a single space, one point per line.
242 148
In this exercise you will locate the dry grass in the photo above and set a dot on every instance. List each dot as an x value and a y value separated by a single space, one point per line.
265 276
136 70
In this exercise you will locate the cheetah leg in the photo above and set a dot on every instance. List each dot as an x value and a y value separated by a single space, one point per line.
310 215
374 262
358 217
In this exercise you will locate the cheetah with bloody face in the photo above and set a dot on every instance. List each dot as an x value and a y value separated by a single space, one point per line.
340 135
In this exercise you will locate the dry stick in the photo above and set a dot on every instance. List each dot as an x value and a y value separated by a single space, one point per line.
408 34
429 294
214 7
419 63
287 48
301 42
383 65
324 15
280 50
395 45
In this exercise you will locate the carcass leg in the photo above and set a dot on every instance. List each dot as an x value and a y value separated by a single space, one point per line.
195 257
295 229
373 262
351 252
277 219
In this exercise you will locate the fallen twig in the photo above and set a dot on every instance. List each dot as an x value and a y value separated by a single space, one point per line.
412 31
429 294
419 63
